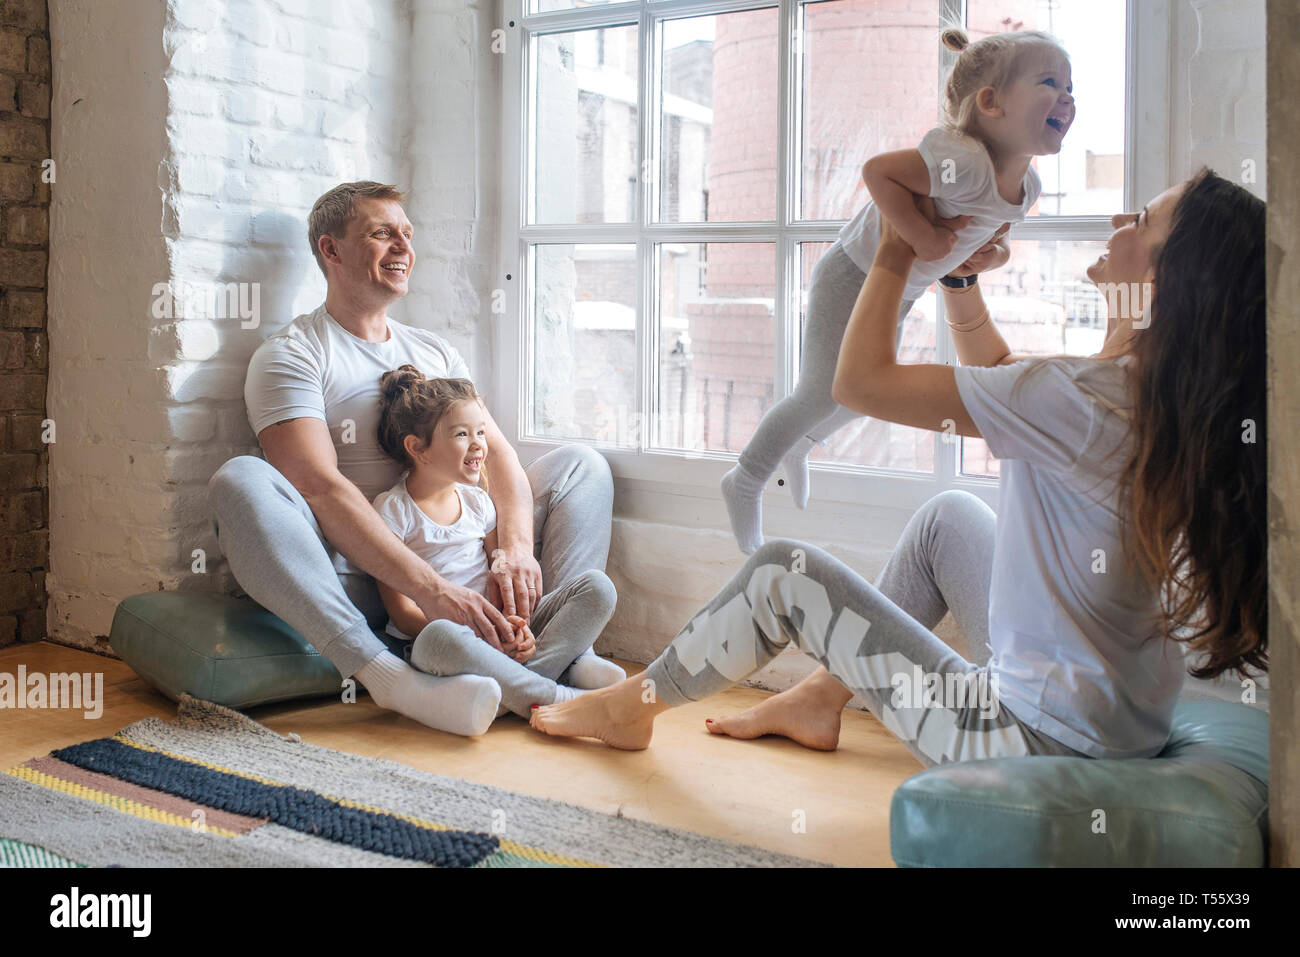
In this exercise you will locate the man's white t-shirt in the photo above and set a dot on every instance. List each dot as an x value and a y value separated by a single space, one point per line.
1066 623
963 183
454 551
314 367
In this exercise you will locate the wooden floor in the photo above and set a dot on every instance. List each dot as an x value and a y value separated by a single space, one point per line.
746 791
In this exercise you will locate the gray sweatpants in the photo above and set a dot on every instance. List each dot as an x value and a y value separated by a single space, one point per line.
809 410
281 558
875 639
565 624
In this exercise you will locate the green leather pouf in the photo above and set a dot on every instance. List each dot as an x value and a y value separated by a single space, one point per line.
1202 802
219 648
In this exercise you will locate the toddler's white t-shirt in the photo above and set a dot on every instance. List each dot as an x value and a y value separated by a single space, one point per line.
454 551
1067 627
963 183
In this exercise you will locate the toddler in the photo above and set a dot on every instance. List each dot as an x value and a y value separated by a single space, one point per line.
1007 99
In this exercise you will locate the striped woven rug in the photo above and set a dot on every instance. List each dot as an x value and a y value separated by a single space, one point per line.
213 788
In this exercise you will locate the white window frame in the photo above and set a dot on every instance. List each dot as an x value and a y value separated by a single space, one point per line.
682 487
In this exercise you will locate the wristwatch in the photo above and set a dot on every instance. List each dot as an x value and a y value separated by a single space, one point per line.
959 282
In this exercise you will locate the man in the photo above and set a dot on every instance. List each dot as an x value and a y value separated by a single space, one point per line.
298 528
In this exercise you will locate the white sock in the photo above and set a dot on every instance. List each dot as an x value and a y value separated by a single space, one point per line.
461 704
796 469
565 693
590 671
562 693
743 495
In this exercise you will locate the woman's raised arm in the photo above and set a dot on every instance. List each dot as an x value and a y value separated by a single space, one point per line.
868 377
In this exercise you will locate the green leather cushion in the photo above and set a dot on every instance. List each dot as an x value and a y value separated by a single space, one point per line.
1202 802
219 648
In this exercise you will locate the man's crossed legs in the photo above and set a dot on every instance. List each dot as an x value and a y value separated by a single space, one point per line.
282 560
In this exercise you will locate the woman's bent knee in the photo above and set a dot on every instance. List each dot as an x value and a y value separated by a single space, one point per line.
777 551
955 502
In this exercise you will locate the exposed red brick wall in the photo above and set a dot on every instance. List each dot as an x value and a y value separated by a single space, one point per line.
24 252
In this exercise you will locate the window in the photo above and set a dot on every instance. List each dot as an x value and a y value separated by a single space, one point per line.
673 169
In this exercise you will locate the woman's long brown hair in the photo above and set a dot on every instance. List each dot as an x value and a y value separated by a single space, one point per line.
1194 494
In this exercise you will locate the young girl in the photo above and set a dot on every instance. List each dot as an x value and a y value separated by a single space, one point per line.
437 428
1007 99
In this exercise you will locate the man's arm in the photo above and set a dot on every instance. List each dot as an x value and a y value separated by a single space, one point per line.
513 497
302 451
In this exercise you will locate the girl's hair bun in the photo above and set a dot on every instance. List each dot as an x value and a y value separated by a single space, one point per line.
399 380
955 39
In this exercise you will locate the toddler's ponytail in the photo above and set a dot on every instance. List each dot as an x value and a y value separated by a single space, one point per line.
954 38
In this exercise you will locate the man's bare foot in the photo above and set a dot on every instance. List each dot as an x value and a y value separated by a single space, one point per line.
615 715
809 713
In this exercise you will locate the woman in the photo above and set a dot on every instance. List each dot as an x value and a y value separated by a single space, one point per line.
1135 471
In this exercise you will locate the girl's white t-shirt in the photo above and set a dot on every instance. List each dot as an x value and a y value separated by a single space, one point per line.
454 551
963 183
1068 627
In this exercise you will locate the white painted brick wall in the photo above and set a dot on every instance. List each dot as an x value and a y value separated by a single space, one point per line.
243 113
1219 68
455 90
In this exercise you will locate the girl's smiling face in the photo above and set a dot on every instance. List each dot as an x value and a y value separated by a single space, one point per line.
459 446
1039 106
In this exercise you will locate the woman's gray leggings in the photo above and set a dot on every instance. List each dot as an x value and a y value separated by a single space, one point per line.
565 624
875 639
809 410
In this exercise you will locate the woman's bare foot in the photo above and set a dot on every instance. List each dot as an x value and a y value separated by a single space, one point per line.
615 715
809 713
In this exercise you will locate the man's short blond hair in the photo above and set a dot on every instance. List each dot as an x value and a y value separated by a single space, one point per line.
331 214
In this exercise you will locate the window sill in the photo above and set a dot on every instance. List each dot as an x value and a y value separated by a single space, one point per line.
678 489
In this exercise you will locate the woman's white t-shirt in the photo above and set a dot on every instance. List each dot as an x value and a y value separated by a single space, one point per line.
1067 625
963 183
454 551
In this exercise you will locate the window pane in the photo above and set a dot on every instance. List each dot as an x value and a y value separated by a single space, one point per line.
1086 177
870 84
716 345
584 131
866 440
583 323
544 6
717 118
1043 304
